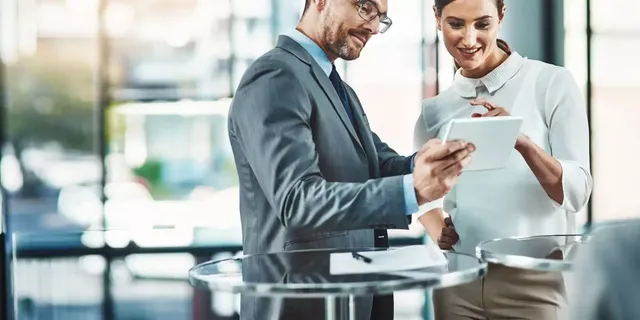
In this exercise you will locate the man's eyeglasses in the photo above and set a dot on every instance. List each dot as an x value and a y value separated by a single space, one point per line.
368 11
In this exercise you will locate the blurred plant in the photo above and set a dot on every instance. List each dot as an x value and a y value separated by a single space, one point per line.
49 102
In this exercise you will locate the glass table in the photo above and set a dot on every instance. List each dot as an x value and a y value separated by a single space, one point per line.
539 253
535 270
321 285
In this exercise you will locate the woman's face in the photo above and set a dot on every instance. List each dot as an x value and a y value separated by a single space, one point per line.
470 31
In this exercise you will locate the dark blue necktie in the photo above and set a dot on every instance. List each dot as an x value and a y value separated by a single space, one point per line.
342 93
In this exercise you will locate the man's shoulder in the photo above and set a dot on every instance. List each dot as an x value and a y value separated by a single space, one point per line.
267 79
275 59
275 65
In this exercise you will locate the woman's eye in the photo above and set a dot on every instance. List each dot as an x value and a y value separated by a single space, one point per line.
482 25
456 25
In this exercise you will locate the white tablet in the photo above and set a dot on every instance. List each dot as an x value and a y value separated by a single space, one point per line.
493 137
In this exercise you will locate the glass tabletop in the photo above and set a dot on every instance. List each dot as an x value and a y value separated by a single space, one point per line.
321 273
542 253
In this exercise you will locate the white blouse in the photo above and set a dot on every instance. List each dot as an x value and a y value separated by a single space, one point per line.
485 205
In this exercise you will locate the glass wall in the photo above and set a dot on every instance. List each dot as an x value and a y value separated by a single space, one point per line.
575 60
616 39
169 69
172 67
50 103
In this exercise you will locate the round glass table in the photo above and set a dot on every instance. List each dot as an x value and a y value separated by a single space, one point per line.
331 284
539 253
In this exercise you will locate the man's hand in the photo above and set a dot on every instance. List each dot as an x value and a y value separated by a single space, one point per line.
448 237
437 167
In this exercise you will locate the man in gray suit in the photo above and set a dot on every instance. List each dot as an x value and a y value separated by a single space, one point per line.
606 283
312 174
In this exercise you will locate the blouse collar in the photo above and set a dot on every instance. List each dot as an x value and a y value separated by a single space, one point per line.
494 80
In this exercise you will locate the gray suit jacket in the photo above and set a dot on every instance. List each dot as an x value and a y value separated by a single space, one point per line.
308 179
607 275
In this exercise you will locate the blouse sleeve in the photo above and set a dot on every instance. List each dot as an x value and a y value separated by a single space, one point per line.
569 139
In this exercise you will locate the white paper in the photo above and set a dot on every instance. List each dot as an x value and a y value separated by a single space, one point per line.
394 259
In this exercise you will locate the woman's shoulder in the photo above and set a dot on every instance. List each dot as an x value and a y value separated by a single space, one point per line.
552 81
549 74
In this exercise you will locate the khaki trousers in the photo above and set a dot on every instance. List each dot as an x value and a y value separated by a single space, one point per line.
504 293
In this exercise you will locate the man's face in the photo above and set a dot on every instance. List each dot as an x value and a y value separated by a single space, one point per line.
344 31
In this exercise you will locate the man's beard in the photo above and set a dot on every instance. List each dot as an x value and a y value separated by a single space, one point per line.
337 43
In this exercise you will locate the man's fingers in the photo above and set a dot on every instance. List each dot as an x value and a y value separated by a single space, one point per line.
443 150
432 143
453 165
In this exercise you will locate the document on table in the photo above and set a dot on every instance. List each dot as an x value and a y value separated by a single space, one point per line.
405 258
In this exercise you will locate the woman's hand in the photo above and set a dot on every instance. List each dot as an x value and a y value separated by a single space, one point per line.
448 236
496 111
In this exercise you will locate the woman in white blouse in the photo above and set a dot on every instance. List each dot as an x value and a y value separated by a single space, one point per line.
546 181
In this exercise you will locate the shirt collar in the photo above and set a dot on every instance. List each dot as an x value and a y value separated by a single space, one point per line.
494 80
314 50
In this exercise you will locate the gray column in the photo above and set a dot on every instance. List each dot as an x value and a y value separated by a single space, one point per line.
535 28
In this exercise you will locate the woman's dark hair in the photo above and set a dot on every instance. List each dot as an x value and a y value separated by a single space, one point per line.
440 4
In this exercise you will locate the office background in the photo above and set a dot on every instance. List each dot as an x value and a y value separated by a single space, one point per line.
113 116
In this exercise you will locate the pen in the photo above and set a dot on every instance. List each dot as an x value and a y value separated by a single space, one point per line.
361 257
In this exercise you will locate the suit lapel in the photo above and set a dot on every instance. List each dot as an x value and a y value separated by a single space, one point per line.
330 91
365 132
299 52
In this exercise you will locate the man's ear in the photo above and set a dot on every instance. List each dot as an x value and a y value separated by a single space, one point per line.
435 14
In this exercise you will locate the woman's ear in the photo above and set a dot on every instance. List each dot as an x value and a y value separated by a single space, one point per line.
435 14
501 15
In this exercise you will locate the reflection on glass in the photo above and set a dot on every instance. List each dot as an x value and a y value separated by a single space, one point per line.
59 288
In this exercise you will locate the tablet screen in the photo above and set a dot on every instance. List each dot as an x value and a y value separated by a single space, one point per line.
494 139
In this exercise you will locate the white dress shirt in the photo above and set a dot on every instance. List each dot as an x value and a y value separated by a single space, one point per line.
485 205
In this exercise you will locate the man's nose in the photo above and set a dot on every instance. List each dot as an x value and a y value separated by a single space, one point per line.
470 38
373 26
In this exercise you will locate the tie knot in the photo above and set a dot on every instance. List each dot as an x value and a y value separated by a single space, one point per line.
334 76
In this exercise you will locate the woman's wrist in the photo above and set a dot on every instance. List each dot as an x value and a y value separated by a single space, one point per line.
524 145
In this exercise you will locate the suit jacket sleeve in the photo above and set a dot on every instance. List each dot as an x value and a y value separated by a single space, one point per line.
391 163
270 117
